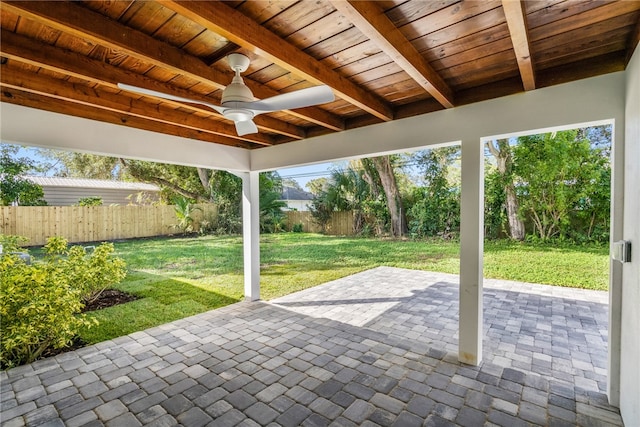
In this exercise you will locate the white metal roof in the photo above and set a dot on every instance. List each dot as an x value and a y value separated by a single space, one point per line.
91 183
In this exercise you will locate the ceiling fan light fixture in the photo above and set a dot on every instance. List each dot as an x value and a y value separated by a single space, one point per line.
238 115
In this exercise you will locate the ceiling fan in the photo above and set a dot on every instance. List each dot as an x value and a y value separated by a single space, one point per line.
238 102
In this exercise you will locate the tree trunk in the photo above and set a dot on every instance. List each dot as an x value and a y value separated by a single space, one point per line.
394 201
516 225
368 169
502 153
204 176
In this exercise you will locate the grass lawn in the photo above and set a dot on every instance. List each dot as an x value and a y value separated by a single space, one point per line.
179 277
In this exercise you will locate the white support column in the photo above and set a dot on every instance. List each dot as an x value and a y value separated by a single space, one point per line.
615 267
251 234
471 253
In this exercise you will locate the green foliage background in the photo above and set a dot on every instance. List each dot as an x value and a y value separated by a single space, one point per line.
13 187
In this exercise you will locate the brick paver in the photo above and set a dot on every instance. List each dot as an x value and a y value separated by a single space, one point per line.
375 348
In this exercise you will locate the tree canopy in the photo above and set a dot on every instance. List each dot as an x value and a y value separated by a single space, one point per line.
548 186
14 187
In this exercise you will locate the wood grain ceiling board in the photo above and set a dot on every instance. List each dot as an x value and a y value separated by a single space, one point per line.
364 64
320 30
285 81
472 55
146 16
391 84
546 12
581 20
609 62
178 31
476 40
268 73
538 5
617 48
338 43
262 11
485 70
407 12
398 90
352 54
112 9
462 15
296 17
487 20
369 69
617 28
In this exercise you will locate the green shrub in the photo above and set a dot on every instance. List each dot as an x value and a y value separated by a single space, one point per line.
90 201
39 310
184 210
90 274
12 243
297 228
40 304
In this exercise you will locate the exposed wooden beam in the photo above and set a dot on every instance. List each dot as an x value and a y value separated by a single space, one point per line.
369 18
59 89
243 31
517 23
18 97
24 49
81 22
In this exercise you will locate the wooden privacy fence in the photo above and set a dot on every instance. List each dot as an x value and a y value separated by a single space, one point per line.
101 223
341 223
92 223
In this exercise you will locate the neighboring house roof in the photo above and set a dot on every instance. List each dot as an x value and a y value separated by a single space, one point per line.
91 183
292 193
68 191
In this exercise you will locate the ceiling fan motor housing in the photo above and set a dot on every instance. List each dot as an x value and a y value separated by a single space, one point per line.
236 92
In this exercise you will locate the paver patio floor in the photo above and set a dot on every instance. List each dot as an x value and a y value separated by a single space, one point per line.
375 348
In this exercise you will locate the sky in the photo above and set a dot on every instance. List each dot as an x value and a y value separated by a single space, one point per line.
304 174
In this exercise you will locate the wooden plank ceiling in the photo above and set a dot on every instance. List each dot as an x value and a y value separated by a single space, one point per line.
384 60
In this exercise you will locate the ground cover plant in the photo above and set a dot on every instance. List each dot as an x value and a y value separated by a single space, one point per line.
179 277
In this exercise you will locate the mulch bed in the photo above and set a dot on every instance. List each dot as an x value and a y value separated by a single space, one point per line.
109 298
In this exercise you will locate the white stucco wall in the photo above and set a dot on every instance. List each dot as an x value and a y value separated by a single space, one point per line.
630 324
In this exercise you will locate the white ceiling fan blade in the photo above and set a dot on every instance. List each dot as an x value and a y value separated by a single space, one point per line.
162 95
289 101
246 127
